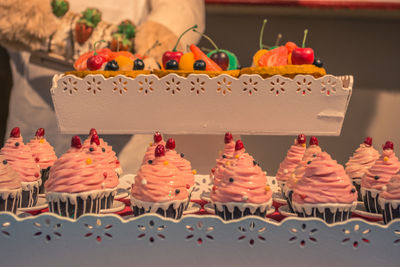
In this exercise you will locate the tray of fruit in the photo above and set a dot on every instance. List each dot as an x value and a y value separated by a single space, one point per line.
286 90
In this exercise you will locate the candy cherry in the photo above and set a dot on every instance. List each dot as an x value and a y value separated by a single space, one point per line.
228 138
76 142
95 139
313 141
15 132
239 145
170 144
303 55
301 139
368 141
92 132
40 133
96 61
157 137
388 145
160 151
174 54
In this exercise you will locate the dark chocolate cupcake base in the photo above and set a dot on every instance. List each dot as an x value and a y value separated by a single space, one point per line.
357 185
371 200
44 177
107 200
74 205
330 213
170 209
30 191
232 211
10 200
390 209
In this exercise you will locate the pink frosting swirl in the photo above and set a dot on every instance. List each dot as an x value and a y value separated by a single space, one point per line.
75 172
293 158
380 173
111 155
363 159
242 180
149 155
324 181
100 155
159 181
42 152
227 154
392 191
9 179
21 160
310 154
182 164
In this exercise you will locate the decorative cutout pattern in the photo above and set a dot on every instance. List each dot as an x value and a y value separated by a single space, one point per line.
93 84
252 233
356 236
197 85
277 85
250 85
329 85
47 230
70 85
303 235
224 86
4 231
98 231
152 231
303 84
173 85
145 85
120 85
200 233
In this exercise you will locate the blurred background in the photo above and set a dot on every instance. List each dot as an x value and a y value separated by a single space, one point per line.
361 38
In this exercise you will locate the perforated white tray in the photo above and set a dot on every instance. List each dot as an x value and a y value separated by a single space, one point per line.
202 105
108 240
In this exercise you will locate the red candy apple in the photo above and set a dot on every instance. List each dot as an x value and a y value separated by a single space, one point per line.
368 141
388 145
76 142
302 55
170 144
239 145
160 151
313 141
228 138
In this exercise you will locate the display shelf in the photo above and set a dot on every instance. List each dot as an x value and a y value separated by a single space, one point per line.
199 104
109 240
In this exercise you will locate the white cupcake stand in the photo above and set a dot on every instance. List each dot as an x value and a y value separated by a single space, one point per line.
276 105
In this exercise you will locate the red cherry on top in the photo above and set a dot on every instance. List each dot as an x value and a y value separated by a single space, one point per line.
313 141
160 151
302 56
76 142
368 141
157 137
95 62
92 132
388 145
239 145
95 139
228 138
15 132
301 139
170 144
40 132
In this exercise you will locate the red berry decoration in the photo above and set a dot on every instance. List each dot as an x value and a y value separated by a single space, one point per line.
368 141
105 174
313 141
15 132
301 139
95 62
40 132
170 144
37 159
388 145
95 139
228 138
36 175
160 151
239 145
157 137
302 55
76 142
92 132
187 186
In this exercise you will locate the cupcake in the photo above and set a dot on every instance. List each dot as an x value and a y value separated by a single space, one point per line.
180 162
226 154
292 159
242 189
389 199
311 152
363 159
325 191
75 184
112 158
378 176
159 188
44 155
98 154
149 155
10 187
21 160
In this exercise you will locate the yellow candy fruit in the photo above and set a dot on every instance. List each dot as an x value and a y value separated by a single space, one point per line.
41 141
186 62
289 59
385 159
194 172
89 161
166 162
124 63
258 55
